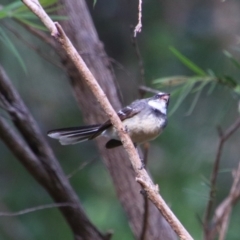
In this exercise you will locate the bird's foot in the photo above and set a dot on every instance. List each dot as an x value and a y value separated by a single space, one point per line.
126 129
142 164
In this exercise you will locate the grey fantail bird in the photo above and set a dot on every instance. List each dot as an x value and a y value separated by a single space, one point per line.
143 119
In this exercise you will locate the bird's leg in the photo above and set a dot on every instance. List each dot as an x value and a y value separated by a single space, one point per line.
135 145
141 158
143 164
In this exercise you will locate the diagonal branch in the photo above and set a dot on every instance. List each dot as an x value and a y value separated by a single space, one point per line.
141 174
90 47
87 41
223 211
35 154
223 138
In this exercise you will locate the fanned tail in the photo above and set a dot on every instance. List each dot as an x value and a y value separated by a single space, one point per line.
73 135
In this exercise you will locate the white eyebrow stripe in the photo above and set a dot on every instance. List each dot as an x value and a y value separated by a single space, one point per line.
161 106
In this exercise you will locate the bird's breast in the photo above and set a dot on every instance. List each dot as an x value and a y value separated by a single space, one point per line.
144 129
140 128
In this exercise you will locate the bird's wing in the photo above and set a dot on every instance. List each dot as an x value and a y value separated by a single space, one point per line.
123 114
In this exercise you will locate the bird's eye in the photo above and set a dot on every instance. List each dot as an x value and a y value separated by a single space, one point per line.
162 96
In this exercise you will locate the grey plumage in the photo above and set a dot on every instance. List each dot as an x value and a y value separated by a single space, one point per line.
143 119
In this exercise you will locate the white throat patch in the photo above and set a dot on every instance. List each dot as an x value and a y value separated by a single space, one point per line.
158 105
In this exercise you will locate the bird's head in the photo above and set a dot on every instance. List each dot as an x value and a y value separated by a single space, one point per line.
160 102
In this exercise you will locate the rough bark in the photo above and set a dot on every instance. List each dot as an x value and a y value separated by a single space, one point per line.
81 31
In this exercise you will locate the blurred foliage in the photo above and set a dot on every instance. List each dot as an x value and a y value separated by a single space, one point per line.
180 159
195 84
18 11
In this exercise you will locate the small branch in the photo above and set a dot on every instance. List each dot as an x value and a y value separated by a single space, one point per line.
152 193
142 176
145 198
20 148
143 90
36 155
82 165
145 217
34 209
138 27
231 130
38 10
223 211
223 137
146 147
140 60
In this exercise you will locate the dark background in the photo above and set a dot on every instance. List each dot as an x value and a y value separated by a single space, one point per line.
180 160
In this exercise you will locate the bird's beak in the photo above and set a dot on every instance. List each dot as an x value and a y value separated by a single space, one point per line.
165 96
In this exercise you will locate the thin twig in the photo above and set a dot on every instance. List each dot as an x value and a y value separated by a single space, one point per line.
146 147
143 90
142 176
145 199
33 47
34 209
119 65
223 137
82 165
145 216
138 27
223 211
36 155
140 60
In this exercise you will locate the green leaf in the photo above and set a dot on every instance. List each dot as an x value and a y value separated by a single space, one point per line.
211 73
227 81
37 26
194 102
31 16
185 90
212 87
7 11
54 9
204 81
171 81
17 7
26 15
225 170
12 6
176 92
46 3
94 3
187 62
3 14
237 89
232 59
58 17
205 181
6 40
22 8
